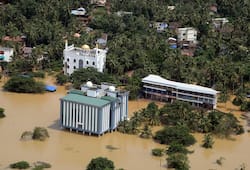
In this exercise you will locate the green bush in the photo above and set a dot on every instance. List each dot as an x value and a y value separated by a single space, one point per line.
2 113
24 84
237 101
176 148
20 165
61 78
245 106
39 74
176 134
179 161
101 163
40 134
157 152
208 141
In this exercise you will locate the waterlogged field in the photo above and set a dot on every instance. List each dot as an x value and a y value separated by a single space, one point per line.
65 150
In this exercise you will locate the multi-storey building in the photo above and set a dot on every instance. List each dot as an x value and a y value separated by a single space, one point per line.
187 34
156 87
95 109
75 58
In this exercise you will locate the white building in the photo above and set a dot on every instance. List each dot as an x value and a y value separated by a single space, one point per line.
95 109
75 58
6 54
156 87
219 22
187 34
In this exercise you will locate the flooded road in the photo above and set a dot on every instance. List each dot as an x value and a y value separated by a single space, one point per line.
72 151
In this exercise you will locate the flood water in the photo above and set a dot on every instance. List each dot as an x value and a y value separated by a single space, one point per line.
73 151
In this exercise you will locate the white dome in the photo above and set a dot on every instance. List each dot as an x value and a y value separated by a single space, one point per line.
89 84
111 88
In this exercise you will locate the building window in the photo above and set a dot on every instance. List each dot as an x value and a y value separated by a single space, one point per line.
87 62
93 63
74 67
68 59
74 60
67 66
80 63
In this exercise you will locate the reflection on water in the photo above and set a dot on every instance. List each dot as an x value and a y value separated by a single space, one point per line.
65 150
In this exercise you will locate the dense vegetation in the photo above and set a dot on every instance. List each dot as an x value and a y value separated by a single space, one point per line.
100 163
179 120
23 84
220 61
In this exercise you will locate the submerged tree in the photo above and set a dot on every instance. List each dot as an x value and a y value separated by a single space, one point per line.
208 141
100 163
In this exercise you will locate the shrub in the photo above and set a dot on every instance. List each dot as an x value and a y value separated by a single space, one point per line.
2 113
24 84
157 152
245 106
20 165
176 148
176 134
61 78
39 74
40 134
237 101
101 163
179 161
208 141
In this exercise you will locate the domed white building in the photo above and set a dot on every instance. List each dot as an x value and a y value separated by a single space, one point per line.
75 58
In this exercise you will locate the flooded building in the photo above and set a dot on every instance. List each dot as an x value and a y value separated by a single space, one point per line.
158 88
95 109
75 58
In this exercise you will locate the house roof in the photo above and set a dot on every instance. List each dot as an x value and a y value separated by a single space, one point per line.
93 101
157 80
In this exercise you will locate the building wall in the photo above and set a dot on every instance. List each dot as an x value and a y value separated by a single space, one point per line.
75 58
80 117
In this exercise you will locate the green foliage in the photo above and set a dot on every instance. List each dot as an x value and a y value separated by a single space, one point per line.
179 161
181 113
223 97
2 115
100 163
245 106
20 165
146 132
82 75
176 148
40 133
208 141
157 152
61 79
176 134
39 74
24 84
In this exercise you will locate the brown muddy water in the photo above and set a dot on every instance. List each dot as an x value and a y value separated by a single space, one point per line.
71 151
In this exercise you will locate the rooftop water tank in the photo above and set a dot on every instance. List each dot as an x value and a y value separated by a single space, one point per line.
111 88
89 84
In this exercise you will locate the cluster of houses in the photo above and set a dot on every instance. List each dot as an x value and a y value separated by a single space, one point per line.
186 37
